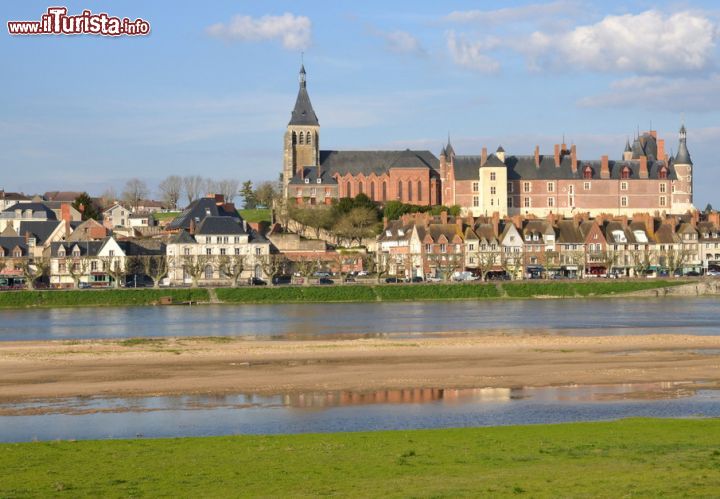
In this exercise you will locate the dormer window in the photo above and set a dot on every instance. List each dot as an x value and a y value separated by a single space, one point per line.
17 253
662 174
587 173
61 252
307 180
625 173
319 181
401 232
76 252
528 237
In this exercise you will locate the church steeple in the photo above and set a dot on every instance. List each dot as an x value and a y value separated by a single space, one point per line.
303 113
683 155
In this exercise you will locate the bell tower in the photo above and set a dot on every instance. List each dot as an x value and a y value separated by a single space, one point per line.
302 137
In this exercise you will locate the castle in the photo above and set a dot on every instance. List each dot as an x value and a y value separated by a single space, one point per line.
645 179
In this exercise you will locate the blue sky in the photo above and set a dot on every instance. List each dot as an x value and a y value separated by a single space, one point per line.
210 91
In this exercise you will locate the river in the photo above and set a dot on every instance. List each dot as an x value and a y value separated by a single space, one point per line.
607 316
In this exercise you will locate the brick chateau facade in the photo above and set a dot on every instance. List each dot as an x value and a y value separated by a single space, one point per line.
643 179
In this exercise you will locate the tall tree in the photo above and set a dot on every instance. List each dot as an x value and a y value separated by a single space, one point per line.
248 195
171 188
210 186
108 197
84 204
228 187
265 193
135 191
358 224
193 185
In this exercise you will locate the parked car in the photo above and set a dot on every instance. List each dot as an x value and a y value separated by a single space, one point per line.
693 273
325 280
256 281
416 278
84 285
713 273
392 280
321 273
433 279
362 273
350 279
282 279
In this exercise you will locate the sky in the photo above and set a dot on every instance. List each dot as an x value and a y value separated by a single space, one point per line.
210 90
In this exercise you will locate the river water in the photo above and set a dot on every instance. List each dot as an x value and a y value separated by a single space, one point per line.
620 316
92 418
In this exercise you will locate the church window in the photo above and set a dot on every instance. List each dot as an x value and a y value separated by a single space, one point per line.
384 191
348 189
294 138
410 193
302 138
419 190
309 138
399 191
372 191
360 188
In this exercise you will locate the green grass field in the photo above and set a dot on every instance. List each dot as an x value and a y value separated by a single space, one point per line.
160 216
256 215
629 458
319 294
97 297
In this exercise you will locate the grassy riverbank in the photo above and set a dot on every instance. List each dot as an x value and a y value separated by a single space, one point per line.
319 294
637 457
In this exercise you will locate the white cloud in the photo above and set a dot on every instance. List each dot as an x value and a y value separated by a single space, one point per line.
647 43
471 54
294 31
513 14
660 93
403 42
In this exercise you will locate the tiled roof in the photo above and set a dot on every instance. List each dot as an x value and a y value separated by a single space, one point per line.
378 162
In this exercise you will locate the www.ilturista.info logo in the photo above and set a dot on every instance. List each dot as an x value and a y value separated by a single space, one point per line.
56 22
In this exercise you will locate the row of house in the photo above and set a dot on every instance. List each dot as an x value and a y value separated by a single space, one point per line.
434 246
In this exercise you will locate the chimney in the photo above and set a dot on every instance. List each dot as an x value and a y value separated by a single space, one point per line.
573 158
219 199
661 150
517 221
604 167
649 224
643 167
714 218
65 214
551 218
537 156
557 155
483 156
496 223
191 229
443 217
695 218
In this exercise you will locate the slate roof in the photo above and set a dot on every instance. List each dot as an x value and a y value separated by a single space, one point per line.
311 173
41 231
378 162
182 237
87 248
143 247
467 167
219 226
199 209
303 113
36 208
493 161
9 243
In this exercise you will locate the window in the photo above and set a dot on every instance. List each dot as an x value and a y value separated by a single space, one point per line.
571 201
258 251
586 186
443 248
663 188
111 253
527 202
476 201
186 251
419 190
571 189
361 188
237 240
492 202
623 201
475 186
509 202
587 172
222 252
348 189
551 186
307 180
663 201
493 191
237 251
662 174
526 186
208 251
428 248
471 247
492 176
302 138
625 173
551 202
62 267
384 191
399 191
509 187
309 138
623 186
372 191
410 193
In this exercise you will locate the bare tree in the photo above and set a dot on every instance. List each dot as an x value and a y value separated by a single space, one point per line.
114 267
210 186
171 188
447 263
675 259
135 191
306 266
156 267
76 267
511 263
609 259
358 224
486 260
271 266
194 266
229 188
232 266
33 269
378 264
108 197
193 185
642 260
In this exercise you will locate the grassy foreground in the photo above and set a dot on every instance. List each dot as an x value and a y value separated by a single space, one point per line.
319 294
635 457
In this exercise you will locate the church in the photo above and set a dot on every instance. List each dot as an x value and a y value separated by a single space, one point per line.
643 179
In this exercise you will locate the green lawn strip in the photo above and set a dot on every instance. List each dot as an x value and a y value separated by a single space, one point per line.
169 215
585 288
97 297
437 292
256 215
296 294
635 457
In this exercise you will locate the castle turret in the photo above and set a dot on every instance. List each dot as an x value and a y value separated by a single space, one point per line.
683 186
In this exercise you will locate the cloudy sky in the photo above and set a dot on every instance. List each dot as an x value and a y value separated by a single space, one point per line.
210 91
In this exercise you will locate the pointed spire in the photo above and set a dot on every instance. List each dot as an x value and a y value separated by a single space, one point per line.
627 144
303 113
683 155
449 148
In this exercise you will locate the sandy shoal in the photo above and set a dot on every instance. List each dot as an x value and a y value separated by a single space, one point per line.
49 369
